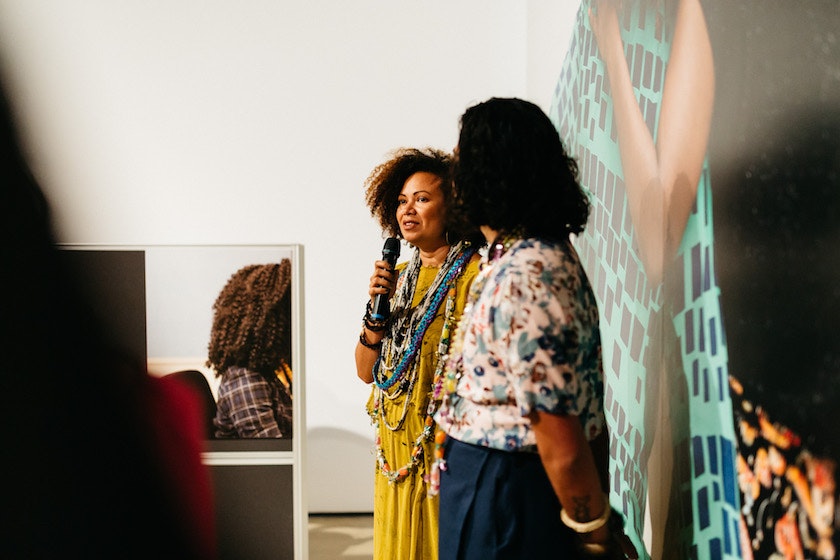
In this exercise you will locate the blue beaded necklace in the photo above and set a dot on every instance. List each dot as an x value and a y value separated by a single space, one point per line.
404 373
380 377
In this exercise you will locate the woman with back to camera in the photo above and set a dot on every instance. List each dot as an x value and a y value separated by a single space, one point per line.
410 195
251 350
523 404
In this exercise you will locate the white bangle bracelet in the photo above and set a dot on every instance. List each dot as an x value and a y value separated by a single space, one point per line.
588 526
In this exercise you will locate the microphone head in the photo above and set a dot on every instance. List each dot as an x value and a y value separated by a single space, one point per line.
391 250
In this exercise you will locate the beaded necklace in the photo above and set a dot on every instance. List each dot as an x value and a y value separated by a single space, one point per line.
401 348
410 324
452 365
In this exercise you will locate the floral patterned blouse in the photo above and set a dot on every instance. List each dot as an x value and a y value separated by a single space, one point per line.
530 343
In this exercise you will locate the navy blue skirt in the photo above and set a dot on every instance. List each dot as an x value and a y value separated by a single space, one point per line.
499 505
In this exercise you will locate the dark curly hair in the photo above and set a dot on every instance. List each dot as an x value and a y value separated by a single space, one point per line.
512 173
386 181
252 320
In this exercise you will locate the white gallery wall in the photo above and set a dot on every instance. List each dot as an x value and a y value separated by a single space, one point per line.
256 122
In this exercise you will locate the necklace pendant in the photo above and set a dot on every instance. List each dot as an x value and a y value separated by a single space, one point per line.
450 384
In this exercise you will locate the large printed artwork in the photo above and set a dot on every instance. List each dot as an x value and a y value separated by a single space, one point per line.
664 102
788 492
633 104
775 165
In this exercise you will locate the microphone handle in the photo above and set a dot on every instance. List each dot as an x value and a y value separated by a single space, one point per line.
381 305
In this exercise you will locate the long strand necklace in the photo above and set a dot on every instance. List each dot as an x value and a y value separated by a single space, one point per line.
410 326
444 289
451 366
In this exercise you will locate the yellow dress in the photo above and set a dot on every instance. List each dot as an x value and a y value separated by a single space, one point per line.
405 518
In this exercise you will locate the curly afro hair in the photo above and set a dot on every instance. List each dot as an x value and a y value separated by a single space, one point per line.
252 320
512 173
386 181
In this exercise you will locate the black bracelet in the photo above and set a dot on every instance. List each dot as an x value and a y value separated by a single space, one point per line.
372 324
366 344
375 326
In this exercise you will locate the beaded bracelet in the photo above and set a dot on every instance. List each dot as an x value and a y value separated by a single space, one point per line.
372 324
375 326
366 344
588 526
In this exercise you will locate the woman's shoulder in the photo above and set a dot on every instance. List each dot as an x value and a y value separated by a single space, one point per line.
474 264
548 261
237 375
471 269
550 253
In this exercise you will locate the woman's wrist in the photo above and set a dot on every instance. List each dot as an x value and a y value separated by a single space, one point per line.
593 535
371 324
365 339
590 526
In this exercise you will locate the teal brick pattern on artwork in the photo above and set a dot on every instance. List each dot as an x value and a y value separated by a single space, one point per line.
668 337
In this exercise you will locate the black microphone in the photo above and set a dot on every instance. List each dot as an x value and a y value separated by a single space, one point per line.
390 253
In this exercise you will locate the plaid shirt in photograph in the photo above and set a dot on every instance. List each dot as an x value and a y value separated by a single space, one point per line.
251 405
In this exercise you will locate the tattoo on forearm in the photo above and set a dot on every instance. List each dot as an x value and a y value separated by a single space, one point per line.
580 510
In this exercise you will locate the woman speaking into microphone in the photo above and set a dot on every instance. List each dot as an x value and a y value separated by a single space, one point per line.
399 352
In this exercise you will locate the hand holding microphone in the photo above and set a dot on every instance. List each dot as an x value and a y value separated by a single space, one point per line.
382 279
378 309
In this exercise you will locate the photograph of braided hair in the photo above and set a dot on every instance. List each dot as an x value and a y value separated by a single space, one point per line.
250 349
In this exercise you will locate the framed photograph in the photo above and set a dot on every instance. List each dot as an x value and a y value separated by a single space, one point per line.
170 304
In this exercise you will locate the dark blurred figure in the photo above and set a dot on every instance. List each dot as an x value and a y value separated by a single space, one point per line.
100 459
